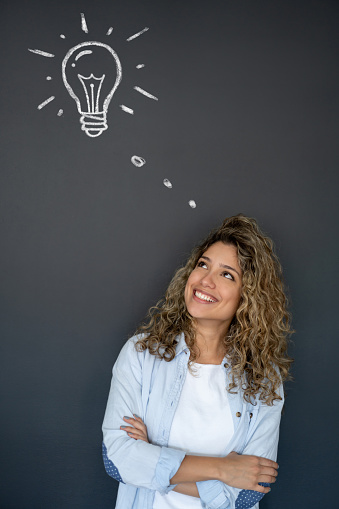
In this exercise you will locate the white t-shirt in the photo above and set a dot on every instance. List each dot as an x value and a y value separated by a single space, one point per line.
202 425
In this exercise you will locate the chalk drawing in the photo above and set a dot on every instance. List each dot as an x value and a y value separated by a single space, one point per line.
138 161
125 108
137 35
86 52
91 105
42 53
91 72
83 23
192 204
43 104
147 94
167 183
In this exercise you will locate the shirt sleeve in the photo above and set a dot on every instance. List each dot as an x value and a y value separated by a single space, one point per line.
262 440
127 460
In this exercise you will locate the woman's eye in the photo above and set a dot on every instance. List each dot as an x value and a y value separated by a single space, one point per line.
201 264
228 275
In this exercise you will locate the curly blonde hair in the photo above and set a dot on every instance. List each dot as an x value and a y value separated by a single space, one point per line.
256 342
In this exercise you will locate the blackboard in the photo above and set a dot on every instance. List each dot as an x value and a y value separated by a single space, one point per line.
243 118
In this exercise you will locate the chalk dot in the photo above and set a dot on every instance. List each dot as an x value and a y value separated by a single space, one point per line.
62 36
167 183
192 204
60 112
138 161
73 65
140 66
48 78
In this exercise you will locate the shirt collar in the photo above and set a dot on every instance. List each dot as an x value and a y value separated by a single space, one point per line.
181 345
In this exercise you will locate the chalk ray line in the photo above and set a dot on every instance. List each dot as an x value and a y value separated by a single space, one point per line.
127 109
147 94
42 53
137 35
109 31
43 104
83 23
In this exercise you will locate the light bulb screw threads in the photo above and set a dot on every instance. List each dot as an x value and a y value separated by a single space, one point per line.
93 124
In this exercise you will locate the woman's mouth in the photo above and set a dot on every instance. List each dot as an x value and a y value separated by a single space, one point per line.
203 297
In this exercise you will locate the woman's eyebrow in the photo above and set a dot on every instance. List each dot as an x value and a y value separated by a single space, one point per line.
221 264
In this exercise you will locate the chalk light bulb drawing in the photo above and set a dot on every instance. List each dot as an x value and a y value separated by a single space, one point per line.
92 93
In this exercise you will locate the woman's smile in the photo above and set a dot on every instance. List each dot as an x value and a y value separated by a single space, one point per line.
203 297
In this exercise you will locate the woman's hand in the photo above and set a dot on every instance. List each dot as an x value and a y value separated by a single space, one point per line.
245 472
136 429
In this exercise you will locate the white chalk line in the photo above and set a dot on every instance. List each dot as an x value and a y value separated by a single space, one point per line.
140 66
147 94
109 31
42 53
83 23
43 104
167 183
138 161
85 52
127 109
137 35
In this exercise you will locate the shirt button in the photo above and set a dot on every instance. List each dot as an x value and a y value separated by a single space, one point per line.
251 415
238 414
226 365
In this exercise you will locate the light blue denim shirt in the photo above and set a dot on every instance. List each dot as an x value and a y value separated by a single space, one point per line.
150 387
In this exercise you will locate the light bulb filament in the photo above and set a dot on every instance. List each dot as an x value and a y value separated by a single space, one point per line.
92 96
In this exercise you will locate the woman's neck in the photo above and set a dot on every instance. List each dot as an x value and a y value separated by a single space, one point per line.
210 345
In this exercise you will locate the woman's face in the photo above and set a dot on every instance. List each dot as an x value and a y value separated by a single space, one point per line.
213 289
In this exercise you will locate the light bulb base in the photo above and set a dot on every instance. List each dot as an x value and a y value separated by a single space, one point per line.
93 123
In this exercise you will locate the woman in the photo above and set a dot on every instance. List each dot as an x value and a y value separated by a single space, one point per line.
174 437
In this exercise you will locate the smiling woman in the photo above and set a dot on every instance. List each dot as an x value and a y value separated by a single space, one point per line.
193 414
213 289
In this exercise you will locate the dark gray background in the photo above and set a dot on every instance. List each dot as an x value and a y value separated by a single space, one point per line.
247 121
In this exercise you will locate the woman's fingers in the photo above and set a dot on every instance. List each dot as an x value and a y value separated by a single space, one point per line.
267 478
270 475
267 463
136 422
262 489
137 429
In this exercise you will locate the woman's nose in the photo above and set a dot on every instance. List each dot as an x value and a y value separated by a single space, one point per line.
208 280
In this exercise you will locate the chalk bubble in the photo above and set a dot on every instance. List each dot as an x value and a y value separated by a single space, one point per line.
167 183
192 204
138 161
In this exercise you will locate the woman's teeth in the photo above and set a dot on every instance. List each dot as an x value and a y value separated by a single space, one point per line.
202 296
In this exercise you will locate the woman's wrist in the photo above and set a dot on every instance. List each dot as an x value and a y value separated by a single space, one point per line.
198 468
